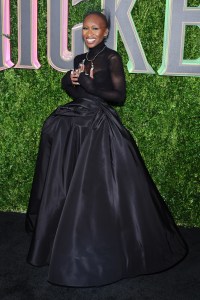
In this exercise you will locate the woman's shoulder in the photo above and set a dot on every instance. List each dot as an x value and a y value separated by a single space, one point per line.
79 57
111 51
113 54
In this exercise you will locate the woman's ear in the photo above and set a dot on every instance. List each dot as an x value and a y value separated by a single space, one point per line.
106 33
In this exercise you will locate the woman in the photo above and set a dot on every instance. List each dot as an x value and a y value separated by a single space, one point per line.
94 210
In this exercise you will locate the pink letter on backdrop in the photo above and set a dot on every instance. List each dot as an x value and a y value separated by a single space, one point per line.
5 60
27 35
59 57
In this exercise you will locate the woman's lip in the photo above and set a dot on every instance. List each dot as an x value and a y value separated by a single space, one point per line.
90 41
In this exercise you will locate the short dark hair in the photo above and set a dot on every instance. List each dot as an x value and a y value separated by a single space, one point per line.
104 16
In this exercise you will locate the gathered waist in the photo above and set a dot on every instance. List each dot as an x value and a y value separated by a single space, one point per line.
95 101
81 106
95 111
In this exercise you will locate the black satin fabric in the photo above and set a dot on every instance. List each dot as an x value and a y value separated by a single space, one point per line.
94 210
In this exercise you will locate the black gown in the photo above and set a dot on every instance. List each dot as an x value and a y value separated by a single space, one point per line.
94 211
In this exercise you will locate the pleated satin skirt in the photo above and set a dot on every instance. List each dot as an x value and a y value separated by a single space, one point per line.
95 214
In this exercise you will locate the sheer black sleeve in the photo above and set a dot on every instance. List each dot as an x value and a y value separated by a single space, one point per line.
67 85
74 91
115 92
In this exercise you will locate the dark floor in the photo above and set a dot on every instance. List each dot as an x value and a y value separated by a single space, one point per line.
19 280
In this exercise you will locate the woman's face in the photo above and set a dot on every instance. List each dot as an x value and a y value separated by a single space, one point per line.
94 30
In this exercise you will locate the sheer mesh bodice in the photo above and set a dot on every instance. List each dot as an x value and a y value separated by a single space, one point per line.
109 78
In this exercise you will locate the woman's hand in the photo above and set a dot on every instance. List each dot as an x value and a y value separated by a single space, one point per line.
75 74
74 77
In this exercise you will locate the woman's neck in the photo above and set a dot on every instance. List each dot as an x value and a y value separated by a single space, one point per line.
96 49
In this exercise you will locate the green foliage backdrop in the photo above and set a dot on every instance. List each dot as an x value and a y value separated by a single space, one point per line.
160 111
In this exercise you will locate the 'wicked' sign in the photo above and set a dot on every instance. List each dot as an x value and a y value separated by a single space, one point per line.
178 15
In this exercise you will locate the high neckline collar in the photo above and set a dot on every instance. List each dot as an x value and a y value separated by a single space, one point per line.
97 48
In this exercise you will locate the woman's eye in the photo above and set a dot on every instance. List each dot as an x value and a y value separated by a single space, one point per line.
93 28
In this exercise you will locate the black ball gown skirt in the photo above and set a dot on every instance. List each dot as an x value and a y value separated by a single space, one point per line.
94 210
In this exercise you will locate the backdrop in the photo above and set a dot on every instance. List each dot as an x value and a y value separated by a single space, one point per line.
160 111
